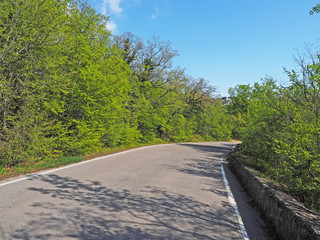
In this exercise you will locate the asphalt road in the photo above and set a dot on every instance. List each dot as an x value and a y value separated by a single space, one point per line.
170 191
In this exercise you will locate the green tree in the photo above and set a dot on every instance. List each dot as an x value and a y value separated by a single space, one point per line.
315 9
26 30
281 130
298 147
63 83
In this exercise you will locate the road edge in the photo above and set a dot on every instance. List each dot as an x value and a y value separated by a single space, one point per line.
290 218
44 172
231 199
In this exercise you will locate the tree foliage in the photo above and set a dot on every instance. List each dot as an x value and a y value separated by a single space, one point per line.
166 104
68 87
315 9
281 129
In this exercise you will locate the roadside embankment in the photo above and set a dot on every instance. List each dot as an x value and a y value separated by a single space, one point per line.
289 217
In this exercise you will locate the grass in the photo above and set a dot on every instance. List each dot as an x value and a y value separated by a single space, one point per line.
33 166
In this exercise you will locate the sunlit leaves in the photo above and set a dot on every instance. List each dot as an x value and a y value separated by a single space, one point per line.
281 130
67 88
315 9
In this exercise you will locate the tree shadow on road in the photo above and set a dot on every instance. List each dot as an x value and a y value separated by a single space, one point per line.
206 166
88 210
217 151
210 167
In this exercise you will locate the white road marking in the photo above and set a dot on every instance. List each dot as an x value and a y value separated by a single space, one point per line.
232 200
222 160
31 176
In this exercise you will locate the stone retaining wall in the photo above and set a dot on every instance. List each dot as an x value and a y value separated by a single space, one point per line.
290 218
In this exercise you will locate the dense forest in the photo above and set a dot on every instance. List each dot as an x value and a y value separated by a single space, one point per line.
68 87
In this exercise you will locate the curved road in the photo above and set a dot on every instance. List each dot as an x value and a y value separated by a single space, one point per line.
172 191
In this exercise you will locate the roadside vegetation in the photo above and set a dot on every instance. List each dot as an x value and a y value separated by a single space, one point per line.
279 126
280 129
69 90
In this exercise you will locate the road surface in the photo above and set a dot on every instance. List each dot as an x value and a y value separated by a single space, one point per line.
172 191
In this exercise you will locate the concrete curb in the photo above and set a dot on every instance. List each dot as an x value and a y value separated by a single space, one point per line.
289 217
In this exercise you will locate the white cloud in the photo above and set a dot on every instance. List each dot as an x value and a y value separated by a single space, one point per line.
137 2
113 5
112 26
157 12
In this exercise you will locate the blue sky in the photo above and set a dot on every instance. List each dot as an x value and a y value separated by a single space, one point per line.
227 42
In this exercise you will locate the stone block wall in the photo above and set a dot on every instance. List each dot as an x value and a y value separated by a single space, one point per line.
289 217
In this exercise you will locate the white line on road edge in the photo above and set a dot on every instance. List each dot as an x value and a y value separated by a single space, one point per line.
232 200
32 176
